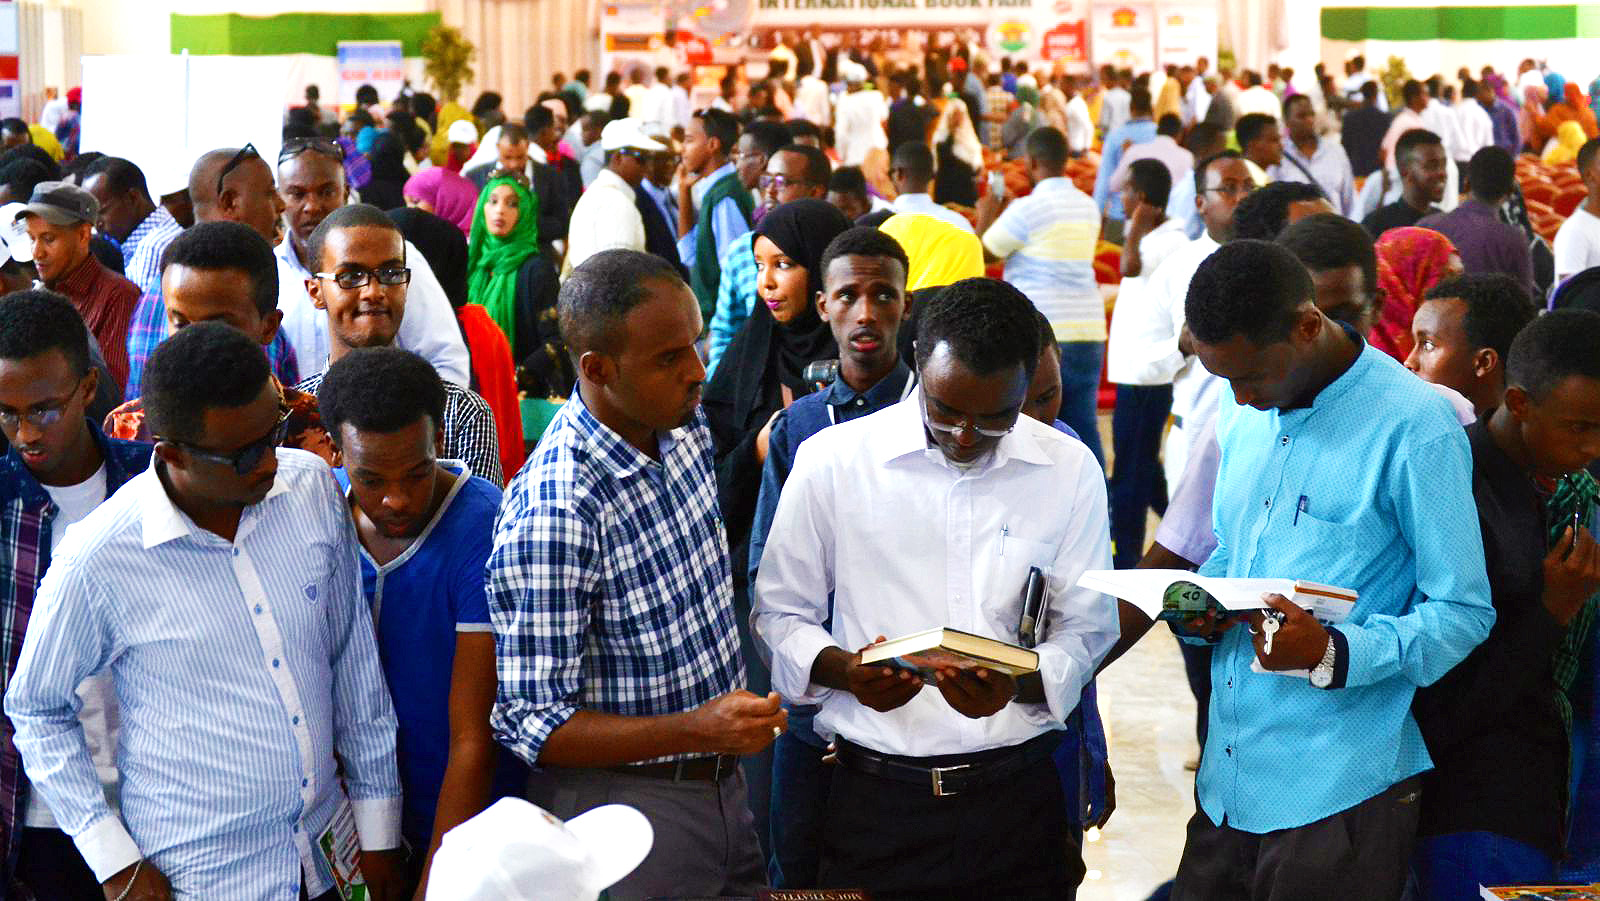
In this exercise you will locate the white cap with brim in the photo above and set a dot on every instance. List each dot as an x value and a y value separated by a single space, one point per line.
462 131
14 232
629 132
515 851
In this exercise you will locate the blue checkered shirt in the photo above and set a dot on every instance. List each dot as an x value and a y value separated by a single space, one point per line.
736 296
149 328
141 252
609 583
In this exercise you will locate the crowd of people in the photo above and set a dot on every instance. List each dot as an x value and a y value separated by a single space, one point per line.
289 593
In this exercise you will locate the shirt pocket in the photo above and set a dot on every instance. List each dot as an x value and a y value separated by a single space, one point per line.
1339 553
1002 601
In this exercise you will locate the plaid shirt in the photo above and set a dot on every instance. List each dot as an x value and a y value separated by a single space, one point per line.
736 295
1574 496
149 328
26 515
141 252
609 583
469 433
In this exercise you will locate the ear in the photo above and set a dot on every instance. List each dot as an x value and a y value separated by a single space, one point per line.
91 384
338 457
438 442
1518 402
169 454
314 288
1308 324
597 368
1485 361
270 324
822 305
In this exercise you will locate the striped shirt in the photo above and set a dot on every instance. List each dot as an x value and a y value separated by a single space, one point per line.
1047 240
142 250
469 431
241 669
736 297
148 328
609 583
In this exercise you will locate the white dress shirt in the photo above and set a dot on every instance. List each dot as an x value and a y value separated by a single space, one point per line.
1141 344
241 668
604 218
428 328
877 517
858 125
1258 100
812 101
1080 127
922 204
1475 128
1442 121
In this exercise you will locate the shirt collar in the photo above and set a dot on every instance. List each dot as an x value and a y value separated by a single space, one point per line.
285 252
157 218
884 392
78 282
703 185
1365 359
163 521
622 458
907 434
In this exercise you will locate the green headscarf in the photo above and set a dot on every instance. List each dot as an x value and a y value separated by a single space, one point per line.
493 261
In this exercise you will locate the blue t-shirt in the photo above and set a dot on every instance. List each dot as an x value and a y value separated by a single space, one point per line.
420 600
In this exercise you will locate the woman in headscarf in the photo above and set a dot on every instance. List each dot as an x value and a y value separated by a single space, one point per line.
1529 116
507 274
386 189
1410 262
494 375
763 370
1563 149
959 156
1024 118
444 193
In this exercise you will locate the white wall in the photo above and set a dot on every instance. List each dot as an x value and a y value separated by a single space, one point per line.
145 26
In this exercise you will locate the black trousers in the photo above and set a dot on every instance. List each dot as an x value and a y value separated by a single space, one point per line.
1007 839
1360 854
49 864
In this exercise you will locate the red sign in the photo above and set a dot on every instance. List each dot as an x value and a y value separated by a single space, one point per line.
1065 42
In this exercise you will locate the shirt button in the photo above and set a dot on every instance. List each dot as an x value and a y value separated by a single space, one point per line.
236 552
304 782
1267 502
258 608
274 663
296 720
1285 441
1228 750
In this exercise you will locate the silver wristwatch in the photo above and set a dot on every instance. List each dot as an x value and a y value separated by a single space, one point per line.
1322 673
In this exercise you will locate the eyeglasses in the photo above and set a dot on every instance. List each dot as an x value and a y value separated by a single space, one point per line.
43 416
957 428
358 276
244 460
247 152
779 182
1233 188
324 146
739 158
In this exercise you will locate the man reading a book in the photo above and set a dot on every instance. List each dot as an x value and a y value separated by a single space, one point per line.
1308 784
1508 708
931 514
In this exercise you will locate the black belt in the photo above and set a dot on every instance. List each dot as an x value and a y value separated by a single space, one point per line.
697 769
951 775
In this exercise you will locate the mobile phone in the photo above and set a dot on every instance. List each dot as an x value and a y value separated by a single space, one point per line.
997 184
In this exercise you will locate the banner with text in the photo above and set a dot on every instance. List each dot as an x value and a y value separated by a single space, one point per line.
1185 32
381 64
1124 35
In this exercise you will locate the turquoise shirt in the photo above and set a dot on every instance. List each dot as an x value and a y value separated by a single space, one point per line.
1369 488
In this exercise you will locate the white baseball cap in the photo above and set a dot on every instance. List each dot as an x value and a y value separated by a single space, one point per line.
14 239
462 131
515 850
629 132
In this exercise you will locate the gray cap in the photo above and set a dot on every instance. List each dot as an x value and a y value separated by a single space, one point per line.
61 203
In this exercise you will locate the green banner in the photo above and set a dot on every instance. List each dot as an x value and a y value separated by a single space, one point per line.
319 33
1461 23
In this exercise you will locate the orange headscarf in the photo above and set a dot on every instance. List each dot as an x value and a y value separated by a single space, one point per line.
1410 262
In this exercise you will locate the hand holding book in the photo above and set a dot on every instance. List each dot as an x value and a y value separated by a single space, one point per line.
1299 642
975 691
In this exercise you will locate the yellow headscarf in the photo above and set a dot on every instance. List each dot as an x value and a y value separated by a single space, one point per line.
1569 138
46 141
439 143
940 253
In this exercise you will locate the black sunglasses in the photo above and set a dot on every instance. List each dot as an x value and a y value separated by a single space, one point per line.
247 152
296 146
244 460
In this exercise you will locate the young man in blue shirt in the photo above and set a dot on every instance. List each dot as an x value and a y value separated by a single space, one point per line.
1308 784
425 526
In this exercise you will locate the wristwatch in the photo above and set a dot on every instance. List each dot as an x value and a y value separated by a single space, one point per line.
1322 673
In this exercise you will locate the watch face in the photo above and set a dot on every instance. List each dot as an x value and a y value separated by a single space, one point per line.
1321 678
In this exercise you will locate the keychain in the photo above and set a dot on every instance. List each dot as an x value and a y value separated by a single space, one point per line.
1269 627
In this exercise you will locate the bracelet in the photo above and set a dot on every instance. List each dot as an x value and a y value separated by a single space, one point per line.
131 880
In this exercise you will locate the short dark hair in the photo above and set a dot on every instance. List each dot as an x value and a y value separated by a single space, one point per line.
848 180
1249 288
1553 347
769 137
1201 167
121 175
1152 179
205 366
1250 126
1047 146
1411 90
1204 135
229 245
1491 173
380 389
721 126
988 324
802 128
1330 241
37 154
599 294
487 102
537 118
864 241
916 158
33 322
21 175
1139 101
1498 308
1413 140
14 125
1265 211
1291 100
1586 153
353 215
1369 91
818 167
1170 125
513 132
1047 335
366 94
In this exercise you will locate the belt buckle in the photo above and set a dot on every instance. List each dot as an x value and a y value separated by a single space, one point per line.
937 775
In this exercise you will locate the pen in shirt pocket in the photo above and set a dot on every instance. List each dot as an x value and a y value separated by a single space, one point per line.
1300 508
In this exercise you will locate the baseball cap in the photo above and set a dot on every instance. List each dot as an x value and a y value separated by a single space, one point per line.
853 72
61 203
462 131
515 850
14 234
629 132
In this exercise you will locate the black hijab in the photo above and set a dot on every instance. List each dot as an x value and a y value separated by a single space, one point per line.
442 245
802 230
389 175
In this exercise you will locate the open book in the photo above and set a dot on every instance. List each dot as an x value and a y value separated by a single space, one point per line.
1540 893
1179 594
923 652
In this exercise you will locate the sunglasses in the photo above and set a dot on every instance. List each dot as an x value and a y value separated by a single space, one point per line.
247 152
324 146
244 460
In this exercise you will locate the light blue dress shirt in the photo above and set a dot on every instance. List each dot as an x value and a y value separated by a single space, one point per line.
241 669
1136 131
726 221
1369 488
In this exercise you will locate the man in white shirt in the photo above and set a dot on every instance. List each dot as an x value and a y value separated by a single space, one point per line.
607 216
1114 100
986 496
911 170
1577 244
859 117
311 181
1440 119
1080 126
1472 123
1197 100
1255 98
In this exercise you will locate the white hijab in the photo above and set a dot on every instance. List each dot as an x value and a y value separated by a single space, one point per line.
956 123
